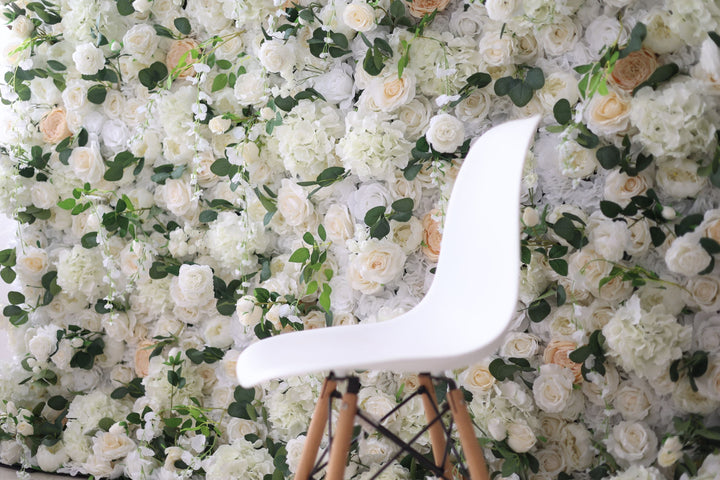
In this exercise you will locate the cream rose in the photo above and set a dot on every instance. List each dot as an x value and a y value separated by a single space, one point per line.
608 114
477 378
140 41
293 204
248 312
576 445
520 345
113 444
418 8
359 16
32 263
432 235
704 292
632 401
193 286
621 188
87 164
494 49
178 50
686 256
391 92
53 126
219 125
338 223
502 10
88 59
560 36
379 261
445 133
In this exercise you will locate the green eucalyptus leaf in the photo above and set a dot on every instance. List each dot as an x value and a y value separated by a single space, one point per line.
183 25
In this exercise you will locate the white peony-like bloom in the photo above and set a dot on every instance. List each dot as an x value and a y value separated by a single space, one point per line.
559 37
686 256
88 59
576 161
639 472
276 56
678 178
632 443
494 49
659 334
445 133
609 238
193 286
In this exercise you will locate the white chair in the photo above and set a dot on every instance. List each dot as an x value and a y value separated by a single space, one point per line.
461 320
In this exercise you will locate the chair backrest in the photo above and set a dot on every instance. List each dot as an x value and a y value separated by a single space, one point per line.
476 282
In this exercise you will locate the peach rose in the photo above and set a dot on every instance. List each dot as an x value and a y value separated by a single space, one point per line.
54 126
631 71
418 8
431 235
558 352
175 53
142 357
712 230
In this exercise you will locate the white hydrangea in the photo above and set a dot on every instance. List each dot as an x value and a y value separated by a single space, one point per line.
691 134
231 239
239 459
290 406
81 272
645 342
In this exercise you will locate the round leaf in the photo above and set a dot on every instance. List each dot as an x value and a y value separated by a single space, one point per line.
183 25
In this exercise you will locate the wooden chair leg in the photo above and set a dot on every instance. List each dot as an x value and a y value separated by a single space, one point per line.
437 434
473 452
340 446
315 431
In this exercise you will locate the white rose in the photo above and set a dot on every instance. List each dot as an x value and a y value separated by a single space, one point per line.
706 331
686 256
408 235
10 452
178 197
375 450
632 401
140 41
520 437
336 85
359 16
390 92
193 286
468 23
367 196
248 313
31 264
520 345
660 37
24 428
559 84
445 133
494 49
704 292
88 59
276 56
75 94
632 443
217 332
496 428
379 261
338 223
250 88
502 10
639 239
551 460
87 164
293 204
41 346
559 37
670 452
22 26
219 125
586 268
602 31
678 178
553 388
114 135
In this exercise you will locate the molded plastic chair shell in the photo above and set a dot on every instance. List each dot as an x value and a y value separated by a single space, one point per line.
468 308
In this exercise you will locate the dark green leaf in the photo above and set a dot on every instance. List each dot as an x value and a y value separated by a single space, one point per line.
373 215
300 255
397 8
96 94
207 216
560 296
402 205
562 111
662 74
183 25
8 275
560 266
715 38
521 93
608 156
125 7
89 240
220 82
535 78
380 229
538 310
504 84
479 79
610 209
657 236
711 246
637 35
16 298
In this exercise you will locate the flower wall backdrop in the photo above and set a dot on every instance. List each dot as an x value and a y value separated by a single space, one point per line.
190 176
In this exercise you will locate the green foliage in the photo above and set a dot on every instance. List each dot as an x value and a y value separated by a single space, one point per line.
712 170
134 388
690 365
697 439
378 220
268 201
183 25
153 75
326 178
520 87
313 271
521 464
242 407
423 155
594 349
326 42
610 157
378 52
506 371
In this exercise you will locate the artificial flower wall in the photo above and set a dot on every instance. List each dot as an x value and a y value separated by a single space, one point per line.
192 176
